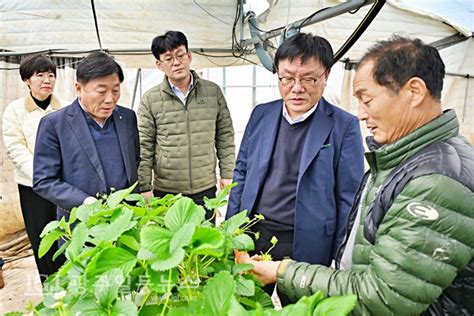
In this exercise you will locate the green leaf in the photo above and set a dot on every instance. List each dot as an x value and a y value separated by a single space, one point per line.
315 299
158 280
137 211
157 240
244 287
178 311
151 310
228 187
145 254
48 240
135 197
157 211
63 270
232 224
107 285
130 242
182 212
236 309
336 305
220 199
241 267
218 294
86 210
112 231
79 237
249 303
302 307
73 216
262 298
61 249
218 266
88 307
124 308
109 259
197 306
102 215
118 196
167 200
207 241
63 224
242 242
49 227
173 260
182 237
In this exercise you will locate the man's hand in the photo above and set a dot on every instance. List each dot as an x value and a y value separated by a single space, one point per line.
265 271
224 182
147 195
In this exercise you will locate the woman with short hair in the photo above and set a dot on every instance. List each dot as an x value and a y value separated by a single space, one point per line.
20 124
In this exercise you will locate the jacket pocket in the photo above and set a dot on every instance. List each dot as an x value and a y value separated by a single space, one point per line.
330 226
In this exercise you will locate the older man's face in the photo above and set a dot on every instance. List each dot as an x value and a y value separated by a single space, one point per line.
100 96
388 116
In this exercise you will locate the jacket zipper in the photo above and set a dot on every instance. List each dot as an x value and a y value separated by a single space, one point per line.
188 127
189 148
351 218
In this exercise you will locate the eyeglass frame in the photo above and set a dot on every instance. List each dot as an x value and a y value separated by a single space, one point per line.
179 57
292 81
42 75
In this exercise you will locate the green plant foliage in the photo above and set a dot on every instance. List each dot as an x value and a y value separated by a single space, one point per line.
131 256
218 294
336 305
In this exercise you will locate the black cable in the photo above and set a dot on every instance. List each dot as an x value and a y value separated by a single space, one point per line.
309 17
96 24
235 43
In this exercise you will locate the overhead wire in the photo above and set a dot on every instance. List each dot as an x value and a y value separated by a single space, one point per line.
209 13
96 24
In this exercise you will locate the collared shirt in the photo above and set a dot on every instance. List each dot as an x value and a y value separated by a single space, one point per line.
300 118
180 93
101 124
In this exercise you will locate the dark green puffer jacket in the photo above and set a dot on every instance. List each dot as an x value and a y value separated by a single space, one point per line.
419 262
179 143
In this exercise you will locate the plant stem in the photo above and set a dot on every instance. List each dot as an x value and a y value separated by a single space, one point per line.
189 274
168 292
211 260
214 212
145 299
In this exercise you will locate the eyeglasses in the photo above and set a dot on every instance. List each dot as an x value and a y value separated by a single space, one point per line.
43 75
305 82
180 57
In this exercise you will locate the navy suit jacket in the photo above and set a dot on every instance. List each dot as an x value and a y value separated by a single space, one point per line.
330 169
66 165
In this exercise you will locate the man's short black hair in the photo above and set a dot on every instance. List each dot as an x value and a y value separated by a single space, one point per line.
168 42
305 46
97 65
399 59
34 64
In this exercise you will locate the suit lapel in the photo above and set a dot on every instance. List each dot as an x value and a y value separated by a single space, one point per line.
321 126
121 129
81 131
271 122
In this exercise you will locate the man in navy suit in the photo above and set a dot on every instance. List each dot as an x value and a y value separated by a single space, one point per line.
90 146
300 160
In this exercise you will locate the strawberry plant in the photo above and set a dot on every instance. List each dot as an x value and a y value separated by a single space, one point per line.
130 256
